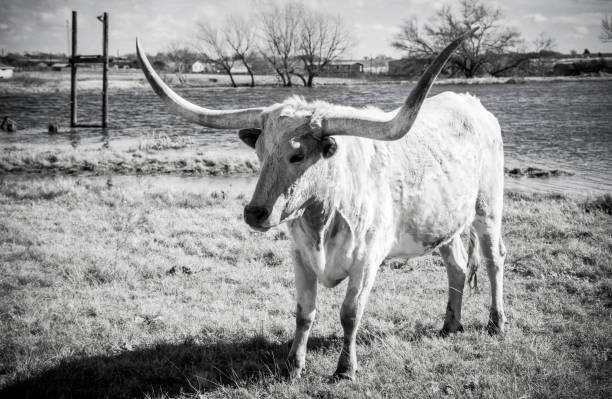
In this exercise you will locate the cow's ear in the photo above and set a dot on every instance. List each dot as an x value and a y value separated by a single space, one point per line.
328 146
249 136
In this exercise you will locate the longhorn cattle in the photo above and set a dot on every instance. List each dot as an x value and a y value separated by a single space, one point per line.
358 185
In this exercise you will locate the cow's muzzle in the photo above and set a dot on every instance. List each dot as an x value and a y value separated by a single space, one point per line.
255 216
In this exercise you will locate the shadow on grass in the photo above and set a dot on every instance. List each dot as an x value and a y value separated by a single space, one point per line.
164 369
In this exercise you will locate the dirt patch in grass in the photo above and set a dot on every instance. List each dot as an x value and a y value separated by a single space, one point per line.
140 291
536 172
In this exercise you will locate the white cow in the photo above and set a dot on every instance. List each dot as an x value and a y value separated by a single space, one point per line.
358 185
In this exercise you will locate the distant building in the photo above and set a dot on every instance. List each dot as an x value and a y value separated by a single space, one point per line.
119 62
59 66
376 69
239 68
579 66
203 67
408 67
376 65
345 69
6 72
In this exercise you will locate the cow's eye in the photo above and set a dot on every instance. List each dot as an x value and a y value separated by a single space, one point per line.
297 157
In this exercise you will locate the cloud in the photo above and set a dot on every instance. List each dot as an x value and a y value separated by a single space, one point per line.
537 17
581 30
578 33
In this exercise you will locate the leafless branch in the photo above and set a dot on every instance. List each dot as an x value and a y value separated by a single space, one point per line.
477 53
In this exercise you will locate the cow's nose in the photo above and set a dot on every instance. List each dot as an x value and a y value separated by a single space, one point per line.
254 215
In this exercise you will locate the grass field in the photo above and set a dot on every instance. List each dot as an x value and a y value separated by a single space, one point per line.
143 291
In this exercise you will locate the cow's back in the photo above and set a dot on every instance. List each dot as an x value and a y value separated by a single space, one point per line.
429 181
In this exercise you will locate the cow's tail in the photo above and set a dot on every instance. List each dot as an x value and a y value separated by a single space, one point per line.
473 260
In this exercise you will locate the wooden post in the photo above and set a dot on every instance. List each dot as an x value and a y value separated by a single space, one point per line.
105 71
89 59
73 73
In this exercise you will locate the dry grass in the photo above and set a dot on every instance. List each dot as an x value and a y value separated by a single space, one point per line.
152 154
142 291
134 80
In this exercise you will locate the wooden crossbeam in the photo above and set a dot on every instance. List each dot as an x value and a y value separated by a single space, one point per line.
87 59
88 125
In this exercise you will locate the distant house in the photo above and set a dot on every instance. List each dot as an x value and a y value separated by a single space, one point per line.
203 67
344 69
376 65
119 62
408 67
59 66
376 69
239 68
6 72
578 66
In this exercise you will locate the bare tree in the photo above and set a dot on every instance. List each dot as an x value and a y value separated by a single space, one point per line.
606 30
322 39
280 26
240 36
544 46
544 43
181 57
481 52
215 48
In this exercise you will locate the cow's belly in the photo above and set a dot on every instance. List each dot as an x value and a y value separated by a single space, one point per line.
432 214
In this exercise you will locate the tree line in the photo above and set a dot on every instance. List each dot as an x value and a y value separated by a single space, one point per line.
495 49
295 41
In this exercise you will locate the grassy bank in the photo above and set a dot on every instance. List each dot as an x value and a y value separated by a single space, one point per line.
134 80
145 291
149 155
158 154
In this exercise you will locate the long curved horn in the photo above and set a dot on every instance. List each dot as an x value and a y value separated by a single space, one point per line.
392 126
220 119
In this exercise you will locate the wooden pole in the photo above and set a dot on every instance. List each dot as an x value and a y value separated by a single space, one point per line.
105 72
73 73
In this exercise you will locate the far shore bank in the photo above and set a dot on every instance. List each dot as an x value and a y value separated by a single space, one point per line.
165 157
91 81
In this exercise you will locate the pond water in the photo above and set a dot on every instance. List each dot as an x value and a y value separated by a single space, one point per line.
560 125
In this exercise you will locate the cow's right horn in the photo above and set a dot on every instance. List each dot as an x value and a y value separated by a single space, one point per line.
392 126
220 119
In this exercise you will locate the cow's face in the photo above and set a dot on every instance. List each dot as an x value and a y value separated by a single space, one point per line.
294 167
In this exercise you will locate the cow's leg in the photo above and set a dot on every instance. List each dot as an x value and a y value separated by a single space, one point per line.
488 227
306 287
455 259
360 283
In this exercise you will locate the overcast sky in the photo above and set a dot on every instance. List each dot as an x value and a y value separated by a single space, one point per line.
40 25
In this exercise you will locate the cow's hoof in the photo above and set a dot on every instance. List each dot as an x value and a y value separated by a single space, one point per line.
496 328
451 328
294 373
497 323
294 368
343 376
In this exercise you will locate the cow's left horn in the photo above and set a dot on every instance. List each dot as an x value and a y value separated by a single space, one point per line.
220 119
394 126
